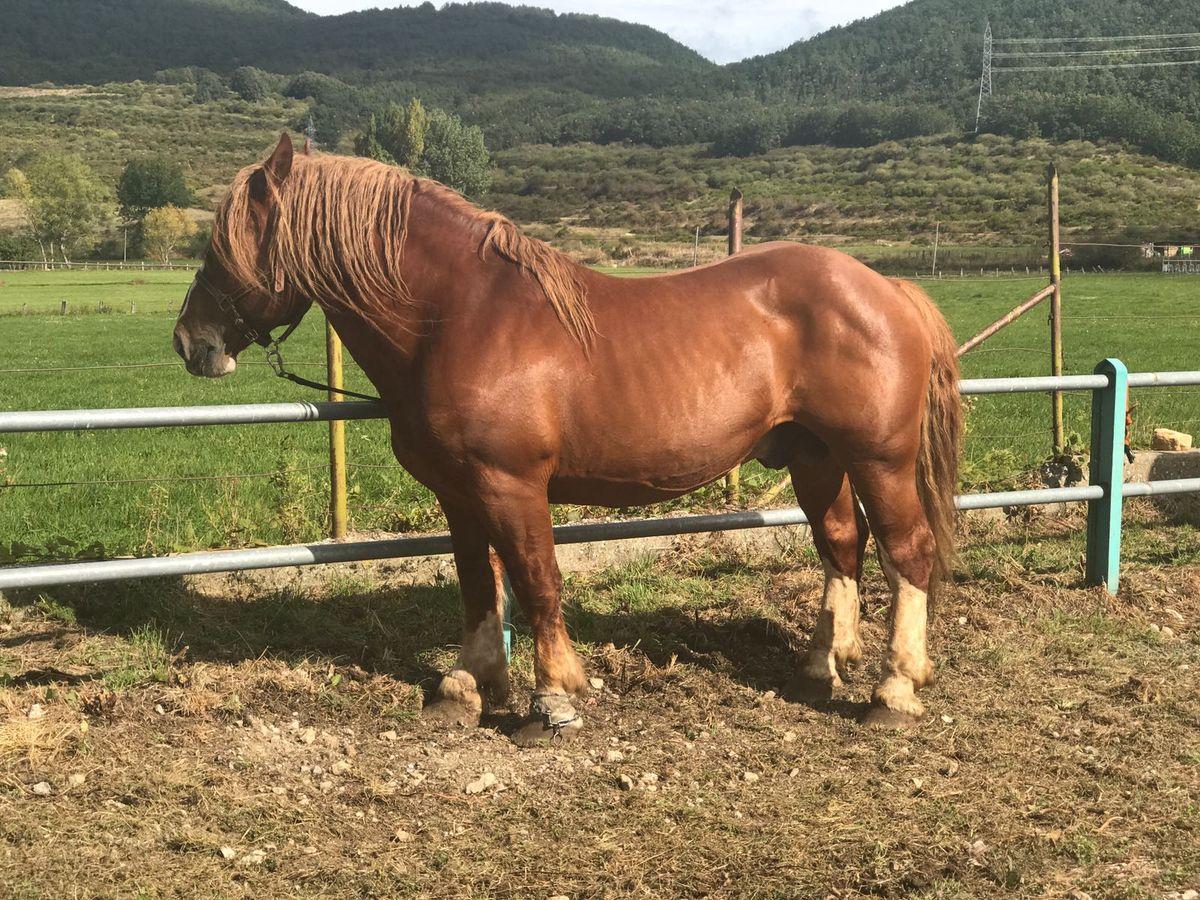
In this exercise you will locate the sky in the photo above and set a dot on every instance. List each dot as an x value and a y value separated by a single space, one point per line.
722 30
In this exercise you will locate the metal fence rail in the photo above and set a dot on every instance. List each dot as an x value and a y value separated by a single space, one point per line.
273 413
212 561
1104 494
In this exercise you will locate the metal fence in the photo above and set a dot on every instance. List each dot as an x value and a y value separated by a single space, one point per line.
1104 494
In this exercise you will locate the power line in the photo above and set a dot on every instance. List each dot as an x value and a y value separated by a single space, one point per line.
1079 40
1134 65
1022 54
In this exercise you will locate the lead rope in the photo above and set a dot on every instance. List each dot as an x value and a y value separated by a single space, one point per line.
275 360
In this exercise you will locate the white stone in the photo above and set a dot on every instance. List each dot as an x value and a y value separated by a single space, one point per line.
614 756
36 712
750 777
76 779
42 789
228 853
481 784
1166 439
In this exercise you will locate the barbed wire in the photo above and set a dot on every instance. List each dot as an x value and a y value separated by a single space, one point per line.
170 479
1131 316
156 365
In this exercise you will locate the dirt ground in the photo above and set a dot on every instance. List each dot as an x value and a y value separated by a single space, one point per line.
258 736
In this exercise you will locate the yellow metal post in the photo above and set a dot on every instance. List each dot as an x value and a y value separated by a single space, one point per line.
1056 349
733 477
337 438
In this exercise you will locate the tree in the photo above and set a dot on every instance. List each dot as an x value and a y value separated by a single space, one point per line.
208 86
166 228
431 142
249 83
456 155
396 135
65 205
151 182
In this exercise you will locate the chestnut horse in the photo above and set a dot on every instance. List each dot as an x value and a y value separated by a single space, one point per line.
515 378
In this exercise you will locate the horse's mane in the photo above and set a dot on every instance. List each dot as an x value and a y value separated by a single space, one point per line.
339 231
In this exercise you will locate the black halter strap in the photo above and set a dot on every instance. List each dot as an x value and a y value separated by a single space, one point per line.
228 304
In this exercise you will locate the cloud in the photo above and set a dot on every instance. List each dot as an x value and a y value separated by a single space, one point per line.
722 30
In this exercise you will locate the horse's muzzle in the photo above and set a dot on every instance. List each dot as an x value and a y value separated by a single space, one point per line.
201 358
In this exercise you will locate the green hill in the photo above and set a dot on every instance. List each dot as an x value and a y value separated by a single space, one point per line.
473 48
927 55
530 75
931 50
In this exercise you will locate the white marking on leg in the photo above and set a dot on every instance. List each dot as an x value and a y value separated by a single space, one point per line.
835 638
481 666
907 666
482 651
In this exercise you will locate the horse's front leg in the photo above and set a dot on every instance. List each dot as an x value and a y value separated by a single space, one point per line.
517 514
481 675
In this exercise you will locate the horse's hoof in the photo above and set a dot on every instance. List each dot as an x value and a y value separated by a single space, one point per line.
810 691
879 716
451 713
536 733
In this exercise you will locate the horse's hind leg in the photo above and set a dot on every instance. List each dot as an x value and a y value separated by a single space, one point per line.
907 552
840 535
481 673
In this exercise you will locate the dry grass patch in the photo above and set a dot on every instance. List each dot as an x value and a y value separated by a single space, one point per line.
280 753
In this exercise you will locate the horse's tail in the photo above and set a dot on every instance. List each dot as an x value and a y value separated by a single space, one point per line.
941 433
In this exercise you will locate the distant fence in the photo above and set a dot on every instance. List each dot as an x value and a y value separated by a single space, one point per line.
13 265
1104 494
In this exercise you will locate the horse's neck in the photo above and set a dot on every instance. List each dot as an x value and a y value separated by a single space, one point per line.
439 254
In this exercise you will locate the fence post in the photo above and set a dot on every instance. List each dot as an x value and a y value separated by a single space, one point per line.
1108 471
735 221
1056 351
337 438
734 477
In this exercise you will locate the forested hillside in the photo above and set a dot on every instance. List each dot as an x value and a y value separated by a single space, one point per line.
472 48
530 75
927 55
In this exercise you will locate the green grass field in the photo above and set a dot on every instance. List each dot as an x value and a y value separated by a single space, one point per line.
272 485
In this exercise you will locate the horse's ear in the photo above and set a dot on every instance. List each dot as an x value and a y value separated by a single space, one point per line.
279 165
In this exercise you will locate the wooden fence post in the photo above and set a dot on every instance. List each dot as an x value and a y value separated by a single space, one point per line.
337 438
733 478
1056 350
735 221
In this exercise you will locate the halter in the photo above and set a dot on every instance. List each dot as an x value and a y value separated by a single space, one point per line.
228 304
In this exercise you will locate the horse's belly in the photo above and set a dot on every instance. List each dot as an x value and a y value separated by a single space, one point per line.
592 491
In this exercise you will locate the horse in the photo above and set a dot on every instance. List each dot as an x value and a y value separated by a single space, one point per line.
514 378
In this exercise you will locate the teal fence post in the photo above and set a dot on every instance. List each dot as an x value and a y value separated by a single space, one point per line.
508 630
1108 471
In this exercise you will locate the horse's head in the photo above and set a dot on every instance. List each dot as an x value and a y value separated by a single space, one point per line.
240 292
